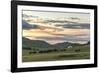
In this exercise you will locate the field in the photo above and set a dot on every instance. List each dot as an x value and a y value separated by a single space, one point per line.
75 53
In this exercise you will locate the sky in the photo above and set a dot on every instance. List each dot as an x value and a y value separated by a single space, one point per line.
56 27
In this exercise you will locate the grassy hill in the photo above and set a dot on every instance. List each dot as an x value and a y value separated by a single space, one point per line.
34 43
27 43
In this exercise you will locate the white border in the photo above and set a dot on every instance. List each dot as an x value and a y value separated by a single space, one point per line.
53 63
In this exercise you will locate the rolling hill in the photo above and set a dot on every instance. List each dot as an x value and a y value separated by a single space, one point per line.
42 44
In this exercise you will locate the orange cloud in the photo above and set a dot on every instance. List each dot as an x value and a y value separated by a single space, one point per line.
46 33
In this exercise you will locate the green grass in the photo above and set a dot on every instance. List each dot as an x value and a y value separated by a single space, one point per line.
68 54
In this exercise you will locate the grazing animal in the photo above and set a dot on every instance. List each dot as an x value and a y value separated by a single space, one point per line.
78 50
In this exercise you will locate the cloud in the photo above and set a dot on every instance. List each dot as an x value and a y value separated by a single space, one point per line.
57 39
27 26
55 28
66 32
75 25
29 16
73 35
59 21
65 38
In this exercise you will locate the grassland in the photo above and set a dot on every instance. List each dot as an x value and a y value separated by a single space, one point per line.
75 53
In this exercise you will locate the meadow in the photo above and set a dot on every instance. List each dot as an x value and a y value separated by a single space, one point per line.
74 53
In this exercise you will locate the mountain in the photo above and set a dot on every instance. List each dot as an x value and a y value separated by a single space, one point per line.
66 44
35 43
62 45
42 44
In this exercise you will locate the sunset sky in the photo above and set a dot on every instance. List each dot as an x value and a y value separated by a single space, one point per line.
56 27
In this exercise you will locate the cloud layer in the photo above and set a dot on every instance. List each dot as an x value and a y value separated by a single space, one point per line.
53 31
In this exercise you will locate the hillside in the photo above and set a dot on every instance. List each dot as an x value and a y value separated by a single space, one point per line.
42 44
35 43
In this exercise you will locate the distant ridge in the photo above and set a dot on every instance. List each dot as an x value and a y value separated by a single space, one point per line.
43 44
